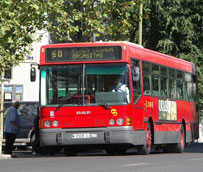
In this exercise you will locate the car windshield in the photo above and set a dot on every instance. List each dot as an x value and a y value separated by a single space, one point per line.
85 84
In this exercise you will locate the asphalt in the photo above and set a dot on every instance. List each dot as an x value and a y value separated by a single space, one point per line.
27 153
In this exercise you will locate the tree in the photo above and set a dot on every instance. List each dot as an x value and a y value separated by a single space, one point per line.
175 27
19 20
69 20
80 20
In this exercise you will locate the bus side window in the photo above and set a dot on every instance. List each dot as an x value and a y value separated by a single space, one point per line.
172 89
188 89
164 81
180 85
135 71
172 85
146 68
155 80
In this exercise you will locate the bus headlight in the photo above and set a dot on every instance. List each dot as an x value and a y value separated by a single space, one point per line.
55 123
120 121
111 122
47 123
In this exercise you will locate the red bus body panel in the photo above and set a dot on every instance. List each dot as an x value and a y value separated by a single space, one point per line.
147 107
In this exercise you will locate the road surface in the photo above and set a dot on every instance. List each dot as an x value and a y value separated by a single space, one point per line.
98 161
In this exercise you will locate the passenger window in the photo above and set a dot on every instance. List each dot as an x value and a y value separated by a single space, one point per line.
171 73
180 75
172 88
180 85
155 69
172 84
146 67
146 78
155 80
164 82
146 84
189 91
163 71
188 77
188 87
180 88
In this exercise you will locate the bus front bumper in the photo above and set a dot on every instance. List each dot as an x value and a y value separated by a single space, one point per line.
82 136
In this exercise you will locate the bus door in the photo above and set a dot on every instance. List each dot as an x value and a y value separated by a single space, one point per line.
138 117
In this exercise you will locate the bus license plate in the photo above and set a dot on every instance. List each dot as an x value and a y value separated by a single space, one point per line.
82 136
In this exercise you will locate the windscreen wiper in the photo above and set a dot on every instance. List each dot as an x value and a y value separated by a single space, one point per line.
103 101
63 99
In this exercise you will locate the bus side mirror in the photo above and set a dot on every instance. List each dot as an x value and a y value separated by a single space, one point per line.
32 74
136 73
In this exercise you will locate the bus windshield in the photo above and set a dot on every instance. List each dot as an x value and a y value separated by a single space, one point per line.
85 84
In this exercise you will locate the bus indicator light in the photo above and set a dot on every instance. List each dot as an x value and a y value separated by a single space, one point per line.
128 121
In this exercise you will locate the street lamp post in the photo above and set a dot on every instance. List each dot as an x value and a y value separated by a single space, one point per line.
1 110
140 22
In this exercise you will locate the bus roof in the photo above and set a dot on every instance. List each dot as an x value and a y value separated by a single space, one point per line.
137 51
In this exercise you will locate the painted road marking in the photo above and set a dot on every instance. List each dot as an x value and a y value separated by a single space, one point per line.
129 165
195 159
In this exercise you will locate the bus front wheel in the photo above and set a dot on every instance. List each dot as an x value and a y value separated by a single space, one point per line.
146 148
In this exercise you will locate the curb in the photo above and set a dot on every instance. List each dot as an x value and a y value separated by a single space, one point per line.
3 156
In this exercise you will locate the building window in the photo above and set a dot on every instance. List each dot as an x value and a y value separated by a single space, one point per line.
13 92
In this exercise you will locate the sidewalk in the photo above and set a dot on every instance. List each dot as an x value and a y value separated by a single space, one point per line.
3 156
17 154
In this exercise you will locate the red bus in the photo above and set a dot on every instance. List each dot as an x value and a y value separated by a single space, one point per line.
115 96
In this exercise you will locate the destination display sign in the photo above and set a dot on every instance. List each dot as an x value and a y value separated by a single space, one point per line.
65 54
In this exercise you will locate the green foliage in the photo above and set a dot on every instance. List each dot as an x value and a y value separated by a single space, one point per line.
72 21
78 20
19 19
170 26
175 27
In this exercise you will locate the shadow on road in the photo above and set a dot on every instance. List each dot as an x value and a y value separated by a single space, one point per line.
194 148
191 148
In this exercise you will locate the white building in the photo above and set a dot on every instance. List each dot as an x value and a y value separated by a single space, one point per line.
17 85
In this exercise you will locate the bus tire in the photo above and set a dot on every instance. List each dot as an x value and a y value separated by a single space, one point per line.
179 147
146 148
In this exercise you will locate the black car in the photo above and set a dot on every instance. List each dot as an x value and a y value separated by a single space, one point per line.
27 112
